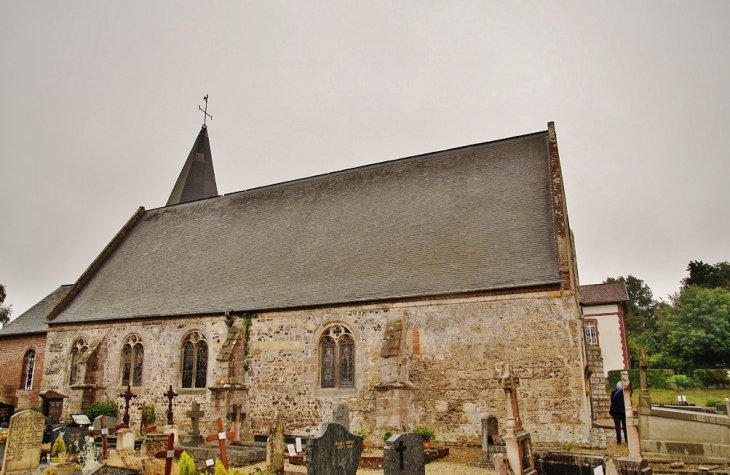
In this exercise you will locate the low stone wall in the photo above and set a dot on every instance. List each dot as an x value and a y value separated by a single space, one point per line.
237 455
684 435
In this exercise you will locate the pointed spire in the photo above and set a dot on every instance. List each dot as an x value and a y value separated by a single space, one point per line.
197 178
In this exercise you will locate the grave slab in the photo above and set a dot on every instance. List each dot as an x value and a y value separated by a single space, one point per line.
341 416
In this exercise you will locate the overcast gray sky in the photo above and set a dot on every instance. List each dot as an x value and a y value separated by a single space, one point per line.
100 109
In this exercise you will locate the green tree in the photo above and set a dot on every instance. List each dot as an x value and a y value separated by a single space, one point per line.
708 275
5 310
640 316
694 330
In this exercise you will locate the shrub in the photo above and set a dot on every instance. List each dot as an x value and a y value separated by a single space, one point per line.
657 378
362 433
708 378
388 434
148 415
219 468
103 408
683 382
714 402
59 447
425 432
186 465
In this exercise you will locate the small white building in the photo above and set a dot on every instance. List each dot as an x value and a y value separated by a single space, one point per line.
604 310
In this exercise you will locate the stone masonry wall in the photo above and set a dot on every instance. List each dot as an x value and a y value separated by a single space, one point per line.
599 396
162 340
11 362
454 350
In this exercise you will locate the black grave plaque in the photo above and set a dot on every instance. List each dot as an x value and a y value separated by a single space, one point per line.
6 411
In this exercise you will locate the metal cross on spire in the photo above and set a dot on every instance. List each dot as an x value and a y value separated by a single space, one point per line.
205 111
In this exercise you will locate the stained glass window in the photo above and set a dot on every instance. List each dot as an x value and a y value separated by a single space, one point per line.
194 372
77 349
26 379
337 358
132 361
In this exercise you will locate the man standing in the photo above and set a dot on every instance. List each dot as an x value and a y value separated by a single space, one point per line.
618 411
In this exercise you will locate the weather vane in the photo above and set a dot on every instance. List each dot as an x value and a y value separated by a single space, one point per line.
205 111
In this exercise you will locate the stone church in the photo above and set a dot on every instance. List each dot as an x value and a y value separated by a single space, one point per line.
396 289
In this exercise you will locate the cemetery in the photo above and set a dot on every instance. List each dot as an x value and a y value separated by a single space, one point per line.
659 438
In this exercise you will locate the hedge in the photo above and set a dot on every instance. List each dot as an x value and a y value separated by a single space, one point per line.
657 378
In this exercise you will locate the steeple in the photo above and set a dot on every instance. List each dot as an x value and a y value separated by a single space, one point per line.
197 178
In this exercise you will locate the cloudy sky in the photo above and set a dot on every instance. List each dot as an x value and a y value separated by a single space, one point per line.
100 109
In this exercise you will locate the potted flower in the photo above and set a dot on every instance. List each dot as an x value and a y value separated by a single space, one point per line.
426 434
59 456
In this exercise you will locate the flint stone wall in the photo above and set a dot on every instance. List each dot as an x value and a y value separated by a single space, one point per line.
162 340
452 355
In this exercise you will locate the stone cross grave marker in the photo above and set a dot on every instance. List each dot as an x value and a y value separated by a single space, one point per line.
333 450
23 447
169 454
517 440
195 414
221 437
104 431
341 416
275 446
170 395
127 395
403 455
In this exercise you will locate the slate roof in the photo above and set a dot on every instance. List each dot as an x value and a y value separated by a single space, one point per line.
597 294
467 219
33 320
197 177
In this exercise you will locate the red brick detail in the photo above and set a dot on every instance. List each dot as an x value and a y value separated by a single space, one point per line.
11 362
416 341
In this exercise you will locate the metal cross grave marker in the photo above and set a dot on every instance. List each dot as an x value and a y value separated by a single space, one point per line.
170 395
127 395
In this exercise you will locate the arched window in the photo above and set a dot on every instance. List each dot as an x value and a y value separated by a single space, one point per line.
26 379
132 361
194 361
337 358
79 348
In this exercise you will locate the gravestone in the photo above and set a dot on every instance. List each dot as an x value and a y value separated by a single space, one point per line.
23 447
73 437
333 450
341 416
110 422
195 414
275 446
403 455
6 412
125 439
491 442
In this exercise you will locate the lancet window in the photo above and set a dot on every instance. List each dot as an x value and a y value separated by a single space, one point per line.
337 358
132 361
26 379
194 361
77 349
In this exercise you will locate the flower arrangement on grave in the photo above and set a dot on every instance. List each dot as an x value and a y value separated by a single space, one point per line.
58 450
364 434
426 434
387 435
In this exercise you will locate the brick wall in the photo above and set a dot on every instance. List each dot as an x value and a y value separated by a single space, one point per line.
11 362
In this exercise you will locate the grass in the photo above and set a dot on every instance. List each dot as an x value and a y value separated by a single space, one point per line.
696 396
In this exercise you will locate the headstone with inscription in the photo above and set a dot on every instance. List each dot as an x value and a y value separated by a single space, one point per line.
341 416
333 450
403 455
23 447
